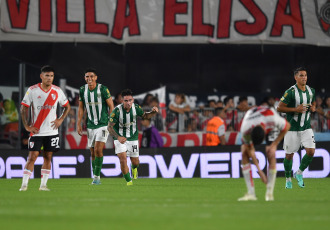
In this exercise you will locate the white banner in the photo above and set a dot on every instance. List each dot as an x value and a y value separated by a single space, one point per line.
186 21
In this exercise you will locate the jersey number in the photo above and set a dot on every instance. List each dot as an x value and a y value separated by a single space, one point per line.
54 141
135 147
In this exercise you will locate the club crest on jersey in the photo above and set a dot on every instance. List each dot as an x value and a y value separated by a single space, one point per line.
39 97
53 96
323 15
31 144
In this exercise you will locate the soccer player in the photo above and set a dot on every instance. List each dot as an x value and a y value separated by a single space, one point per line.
298 102
257 123
96 99
123 127
43 99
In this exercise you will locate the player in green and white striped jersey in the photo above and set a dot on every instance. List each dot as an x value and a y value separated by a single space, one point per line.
298 102
123 128
96 99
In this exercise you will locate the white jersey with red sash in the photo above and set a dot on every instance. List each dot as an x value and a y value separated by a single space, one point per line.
44 105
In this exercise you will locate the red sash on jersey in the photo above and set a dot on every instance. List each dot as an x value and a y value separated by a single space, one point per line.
50 101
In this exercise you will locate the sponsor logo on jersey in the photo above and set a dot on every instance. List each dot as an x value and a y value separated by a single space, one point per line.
46 107
111 120
112 114
53 96
27 92
39 97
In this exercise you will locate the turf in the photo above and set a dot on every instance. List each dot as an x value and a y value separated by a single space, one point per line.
162 204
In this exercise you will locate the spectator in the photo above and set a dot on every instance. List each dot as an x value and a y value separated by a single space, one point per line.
231 114
118 99
219 104
191 125
318 119
156 120
216 128
211 104
177 109
150 137
146 100
71 127
241 108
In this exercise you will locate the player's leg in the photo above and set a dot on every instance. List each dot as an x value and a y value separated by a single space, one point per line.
28 169
307 140
247 173
45 170
120 150
133 151
271 177
291 145
93 159
34 146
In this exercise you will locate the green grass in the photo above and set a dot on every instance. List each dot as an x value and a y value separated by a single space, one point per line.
162 204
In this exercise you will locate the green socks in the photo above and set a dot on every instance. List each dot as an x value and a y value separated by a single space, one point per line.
98 166
134 166
93 166
127 177
305 161
287 167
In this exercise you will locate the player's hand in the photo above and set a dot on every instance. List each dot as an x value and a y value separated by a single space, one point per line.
79 129
122 139
32 129
154 109
56 123
301 108
262 176
312 108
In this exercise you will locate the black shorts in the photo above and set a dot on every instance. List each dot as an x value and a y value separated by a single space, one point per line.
49 143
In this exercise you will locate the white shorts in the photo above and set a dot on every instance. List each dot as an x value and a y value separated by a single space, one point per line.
100 134
293 140
130 147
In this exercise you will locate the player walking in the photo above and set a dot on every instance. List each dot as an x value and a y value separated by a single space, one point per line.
96 99
123 127
298 102
43 99
257 123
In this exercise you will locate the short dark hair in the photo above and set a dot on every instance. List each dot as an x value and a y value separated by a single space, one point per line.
126 92
257 135
90 69
242 98
47 68
218 110
295 72
225 101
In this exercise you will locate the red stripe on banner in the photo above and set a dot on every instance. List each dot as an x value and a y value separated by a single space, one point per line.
232 138
50 101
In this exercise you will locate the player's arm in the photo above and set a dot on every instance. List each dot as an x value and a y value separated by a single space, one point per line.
114 134
175 109
273 146
283 108
222 140
57 122
110 104
250 151
150 114
80 116
24 115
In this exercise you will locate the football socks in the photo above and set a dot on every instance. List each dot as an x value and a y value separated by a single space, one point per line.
287 167
305 161
98 165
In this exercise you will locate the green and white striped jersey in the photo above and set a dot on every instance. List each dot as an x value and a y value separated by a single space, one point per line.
96 105
126 122
293 97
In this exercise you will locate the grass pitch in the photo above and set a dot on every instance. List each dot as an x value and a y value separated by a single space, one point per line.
162 204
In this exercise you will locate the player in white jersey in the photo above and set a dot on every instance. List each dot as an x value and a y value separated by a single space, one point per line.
43 99
257 123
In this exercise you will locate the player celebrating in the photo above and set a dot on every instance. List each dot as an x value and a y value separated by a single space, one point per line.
44 98
257 123
123 127
297 102
96 99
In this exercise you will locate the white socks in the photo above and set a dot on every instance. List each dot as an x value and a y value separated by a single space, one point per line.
271 181
26 176
247 173
44 177
288 179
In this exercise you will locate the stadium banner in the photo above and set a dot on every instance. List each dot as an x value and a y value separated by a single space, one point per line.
177 21
194 139
186 162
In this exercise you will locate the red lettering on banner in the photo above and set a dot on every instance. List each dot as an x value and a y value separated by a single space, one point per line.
171 9
293 18
224 19
45 15
182 138
198 27
73 144
63 25
260 20
91 26
122 20
167 139
18 13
